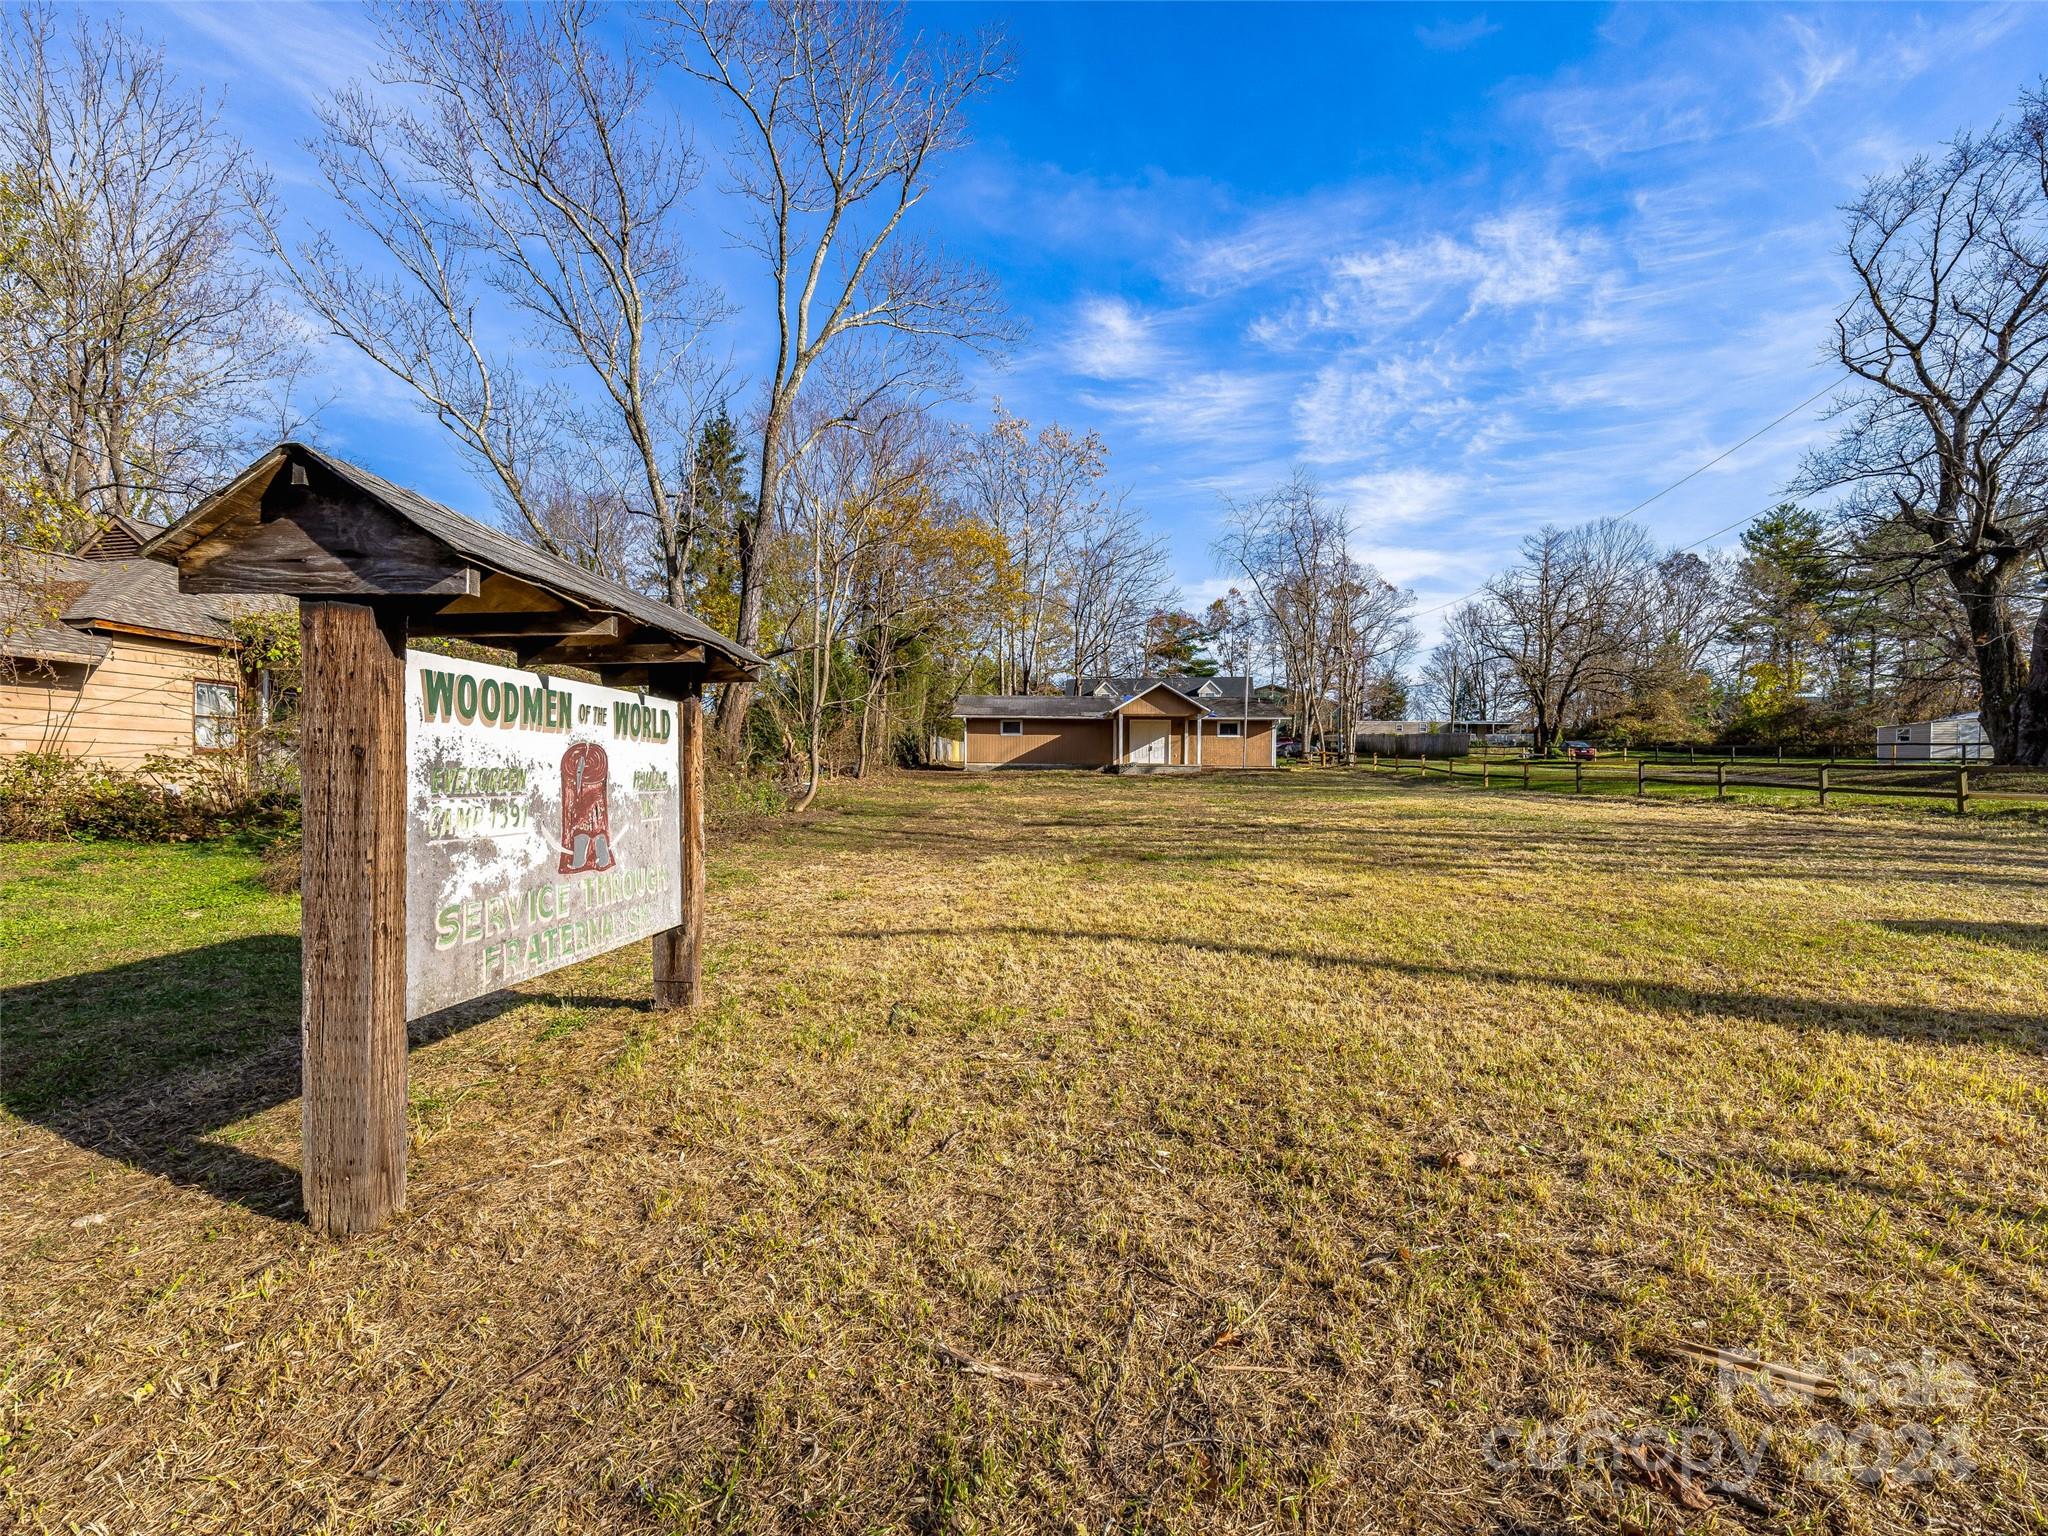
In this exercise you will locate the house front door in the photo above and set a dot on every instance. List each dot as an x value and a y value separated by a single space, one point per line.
1148 741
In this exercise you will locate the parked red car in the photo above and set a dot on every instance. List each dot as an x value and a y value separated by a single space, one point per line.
1580 751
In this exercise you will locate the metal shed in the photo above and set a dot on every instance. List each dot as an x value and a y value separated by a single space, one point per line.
1949 738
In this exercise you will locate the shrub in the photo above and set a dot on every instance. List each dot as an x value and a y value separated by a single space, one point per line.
279 870
46 795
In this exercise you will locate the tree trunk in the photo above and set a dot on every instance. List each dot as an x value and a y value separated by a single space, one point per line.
2002 685
2030 712
803 801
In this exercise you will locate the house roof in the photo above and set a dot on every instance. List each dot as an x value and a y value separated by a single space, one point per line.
1100 706
31 600
468 541
1032 706
1230 687
53 606
143 594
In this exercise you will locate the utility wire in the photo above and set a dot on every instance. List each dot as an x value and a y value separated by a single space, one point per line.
1776 421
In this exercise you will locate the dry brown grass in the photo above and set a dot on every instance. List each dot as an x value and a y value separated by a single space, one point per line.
1152 1098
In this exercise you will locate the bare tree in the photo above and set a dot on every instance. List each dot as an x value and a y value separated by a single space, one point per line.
1948 334
921 594
136 344
1462 679
1370 636
1693 602
515 153
1567 619
1081 574
1289 547
1114 576
838 122
840 498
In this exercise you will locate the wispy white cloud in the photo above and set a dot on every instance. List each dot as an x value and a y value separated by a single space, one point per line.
1411 494
1351 409
1816 62
1752 70
1210 406
1454 36
1518 258
309 51
1111 339
1048 208
1422 565
1271 243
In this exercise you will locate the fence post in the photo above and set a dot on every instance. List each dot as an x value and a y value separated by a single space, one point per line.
1962 791
1720 781
1823 783
1578 776
1692 754
1525 773
1482 773
1639 778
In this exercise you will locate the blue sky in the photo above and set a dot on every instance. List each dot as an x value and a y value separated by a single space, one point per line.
1476 268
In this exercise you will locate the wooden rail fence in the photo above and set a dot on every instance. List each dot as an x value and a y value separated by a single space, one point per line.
1826 780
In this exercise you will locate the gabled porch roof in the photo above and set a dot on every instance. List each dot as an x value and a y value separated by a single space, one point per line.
1194 706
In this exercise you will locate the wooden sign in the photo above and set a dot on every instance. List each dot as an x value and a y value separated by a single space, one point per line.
466 826
543 825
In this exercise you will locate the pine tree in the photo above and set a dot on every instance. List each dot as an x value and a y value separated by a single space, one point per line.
719 498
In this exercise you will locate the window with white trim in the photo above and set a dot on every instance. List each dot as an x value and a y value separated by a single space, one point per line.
1011 728
214 708
1207 691
1229 727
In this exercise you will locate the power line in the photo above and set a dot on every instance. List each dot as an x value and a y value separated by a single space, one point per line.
1776 421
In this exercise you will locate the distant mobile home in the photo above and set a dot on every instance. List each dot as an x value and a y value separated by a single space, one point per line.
1953 738
1427 738
1171 723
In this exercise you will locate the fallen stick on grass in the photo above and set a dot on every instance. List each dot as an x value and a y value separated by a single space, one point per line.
974 1367
1745 1364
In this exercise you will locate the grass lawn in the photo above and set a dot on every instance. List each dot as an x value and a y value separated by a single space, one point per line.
1301 1151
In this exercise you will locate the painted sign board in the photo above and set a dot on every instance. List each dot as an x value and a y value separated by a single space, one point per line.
543 825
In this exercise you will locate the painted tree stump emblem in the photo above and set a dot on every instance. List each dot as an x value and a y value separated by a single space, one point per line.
586 810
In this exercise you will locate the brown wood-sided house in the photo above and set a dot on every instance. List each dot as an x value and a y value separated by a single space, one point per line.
1164 724
103 658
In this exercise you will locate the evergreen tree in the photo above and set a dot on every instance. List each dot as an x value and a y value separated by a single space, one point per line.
719 498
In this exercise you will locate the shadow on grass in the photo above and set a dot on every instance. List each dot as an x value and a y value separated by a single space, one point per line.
156 1061
1892 1021
2014 935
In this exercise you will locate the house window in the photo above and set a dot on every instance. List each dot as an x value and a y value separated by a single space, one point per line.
1207 691
1229 727
214 708
1012 728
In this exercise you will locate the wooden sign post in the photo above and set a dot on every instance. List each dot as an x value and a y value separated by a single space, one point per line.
678 962
352 788
373 565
